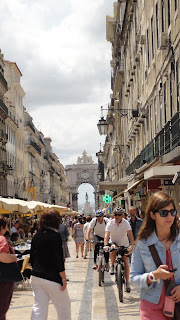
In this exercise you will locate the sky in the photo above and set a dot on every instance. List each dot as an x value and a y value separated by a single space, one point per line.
61 50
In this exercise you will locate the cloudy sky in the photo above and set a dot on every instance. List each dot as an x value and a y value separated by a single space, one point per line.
61 49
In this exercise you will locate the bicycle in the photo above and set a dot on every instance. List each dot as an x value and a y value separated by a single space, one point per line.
101 262
119 269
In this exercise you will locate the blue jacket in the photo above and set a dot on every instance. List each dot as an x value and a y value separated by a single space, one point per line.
142 263
138 224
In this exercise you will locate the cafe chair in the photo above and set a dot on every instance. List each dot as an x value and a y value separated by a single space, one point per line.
26 271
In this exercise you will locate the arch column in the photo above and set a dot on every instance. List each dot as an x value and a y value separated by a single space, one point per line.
75 201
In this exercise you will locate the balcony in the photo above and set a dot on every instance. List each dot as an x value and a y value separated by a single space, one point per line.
164 142
3 81
30 125
3 108
30 143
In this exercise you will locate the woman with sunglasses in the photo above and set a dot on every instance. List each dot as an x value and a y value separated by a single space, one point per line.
161 229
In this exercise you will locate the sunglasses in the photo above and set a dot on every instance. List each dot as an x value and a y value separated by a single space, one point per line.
118 214
164 213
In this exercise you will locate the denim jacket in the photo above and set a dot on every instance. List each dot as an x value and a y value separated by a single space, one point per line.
142 263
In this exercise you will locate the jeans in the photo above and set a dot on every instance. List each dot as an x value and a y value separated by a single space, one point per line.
44 291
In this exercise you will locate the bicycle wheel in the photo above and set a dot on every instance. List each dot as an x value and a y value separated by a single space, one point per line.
120 282
100 270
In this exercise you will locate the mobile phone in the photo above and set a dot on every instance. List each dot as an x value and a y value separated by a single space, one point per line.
169 306
173 270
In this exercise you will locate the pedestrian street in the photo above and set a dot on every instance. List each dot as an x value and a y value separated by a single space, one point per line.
88 300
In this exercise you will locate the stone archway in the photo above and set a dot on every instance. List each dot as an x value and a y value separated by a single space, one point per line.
85 171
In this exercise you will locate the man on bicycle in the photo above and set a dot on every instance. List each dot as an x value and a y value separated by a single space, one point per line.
97 226
120 233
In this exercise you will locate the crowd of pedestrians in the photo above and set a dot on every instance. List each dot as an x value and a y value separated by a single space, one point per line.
159 229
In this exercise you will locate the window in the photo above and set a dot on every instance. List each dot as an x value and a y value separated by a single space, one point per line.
148 60
171 94
163 15
165 104
152 37
160 109
175 4
155 116
177 85
169 13
157 26
150 120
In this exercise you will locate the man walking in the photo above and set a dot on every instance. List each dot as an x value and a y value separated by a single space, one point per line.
135 222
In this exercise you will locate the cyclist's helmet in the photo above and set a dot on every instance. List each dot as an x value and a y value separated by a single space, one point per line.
99 213
118 209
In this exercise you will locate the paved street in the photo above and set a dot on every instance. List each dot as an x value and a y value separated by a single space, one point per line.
89 301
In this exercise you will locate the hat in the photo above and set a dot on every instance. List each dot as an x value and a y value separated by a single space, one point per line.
16 221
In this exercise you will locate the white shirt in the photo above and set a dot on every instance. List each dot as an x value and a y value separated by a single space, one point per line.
85 229
13 230
118 233
99 229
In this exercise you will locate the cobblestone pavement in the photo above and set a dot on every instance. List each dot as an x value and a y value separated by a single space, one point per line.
88 300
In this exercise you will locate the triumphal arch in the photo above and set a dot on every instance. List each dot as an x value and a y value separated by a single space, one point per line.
85 171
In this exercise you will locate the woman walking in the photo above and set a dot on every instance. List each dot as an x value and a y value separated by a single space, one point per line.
160 230
79 236
6 288
48 272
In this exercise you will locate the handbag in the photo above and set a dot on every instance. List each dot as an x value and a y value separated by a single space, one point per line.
10 272
169 284
74 233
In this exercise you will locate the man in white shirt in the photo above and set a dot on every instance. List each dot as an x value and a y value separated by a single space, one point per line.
98 225
15 228
120 233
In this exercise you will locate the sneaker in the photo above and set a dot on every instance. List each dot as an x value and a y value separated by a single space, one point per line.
94 267
128 289
107 266
112 270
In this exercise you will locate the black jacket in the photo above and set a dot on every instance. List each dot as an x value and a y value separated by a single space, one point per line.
46 256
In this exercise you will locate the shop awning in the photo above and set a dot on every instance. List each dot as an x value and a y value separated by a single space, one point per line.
161 172
135 184
113 185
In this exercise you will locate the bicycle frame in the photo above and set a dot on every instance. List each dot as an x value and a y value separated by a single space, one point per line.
120 270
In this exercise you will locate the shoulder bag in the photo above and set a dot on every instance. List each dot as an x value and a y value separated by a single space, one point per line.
9 272
169 284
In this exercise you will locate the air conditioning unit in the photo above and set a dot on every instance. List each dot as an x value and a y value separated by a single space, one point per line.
163 41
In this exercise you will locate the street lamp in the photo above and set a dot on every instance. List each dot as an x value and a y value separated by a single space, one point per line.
102 124
100 154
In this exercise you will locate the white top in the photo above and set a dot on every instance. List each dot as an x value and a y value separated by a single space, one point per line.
85 228
99 229
118 233
13 230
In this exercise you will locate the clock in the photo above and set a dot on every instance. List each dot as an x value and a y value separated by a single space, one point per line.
85 175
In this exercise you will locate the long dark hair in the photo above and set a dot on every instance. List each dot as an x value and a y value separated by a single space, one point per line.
158 201
3 222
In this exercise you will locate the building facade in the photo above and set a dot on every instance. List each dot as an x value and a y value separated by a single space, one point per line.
144 114
3 134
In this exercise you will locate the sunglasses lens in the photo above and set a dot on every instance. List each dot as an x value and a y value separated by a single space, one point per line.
164 213
118 214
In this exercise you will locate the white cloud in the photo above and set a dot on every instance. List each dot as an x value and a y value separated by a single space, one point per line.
61 50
